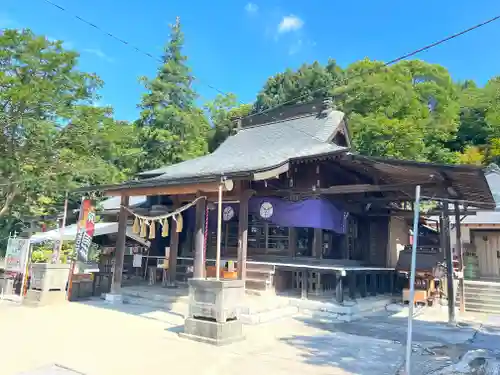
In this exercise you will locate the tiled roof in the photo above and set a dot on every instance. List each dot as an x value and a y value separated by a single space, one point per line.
260 148
488 217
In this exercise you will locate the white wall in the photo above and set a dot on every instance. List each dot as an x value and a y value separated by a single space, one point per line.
398 239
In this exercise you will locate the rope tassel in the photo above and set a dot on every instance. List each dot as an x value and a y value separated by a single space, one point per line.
136 228
179 223
164 228
152 230
143 229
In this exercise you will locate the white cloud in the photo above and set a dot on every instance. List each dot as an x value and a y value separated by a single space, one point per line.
290 23
97 52
251 8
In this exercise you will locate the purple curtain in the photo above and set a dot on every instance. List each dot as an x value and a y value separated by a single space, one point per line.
308 213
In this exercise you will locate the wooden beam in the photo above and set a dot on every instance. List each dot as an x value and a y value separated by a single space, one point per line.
243 234
410 213
167 190
199 240
174 249
116 282
363 188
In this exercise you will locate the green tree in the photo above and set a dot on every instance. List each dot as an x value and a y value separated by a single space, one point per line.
173 129
99 149
39 88
307 83
223 112
409 110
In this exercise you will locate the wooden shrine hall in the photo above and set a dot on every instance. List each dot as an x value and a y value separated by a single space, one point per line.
301 210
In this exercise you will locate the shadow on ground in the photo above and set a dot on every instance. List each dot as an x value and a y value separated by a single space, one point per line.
376 345
147 312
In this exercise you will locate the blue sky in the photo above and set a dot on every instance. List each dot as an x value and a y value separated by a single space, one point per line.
235 45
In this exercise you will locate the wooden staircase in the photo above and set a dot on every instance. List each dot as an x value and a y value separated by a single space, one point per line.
259 277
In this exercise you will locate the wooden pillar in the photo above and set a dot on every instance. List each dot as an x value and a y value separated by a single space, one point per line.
199 240
449 262
116 283
339 289
458 232
317 248
292 242
363 289
351 277
373 284
243 235
303 282
174 250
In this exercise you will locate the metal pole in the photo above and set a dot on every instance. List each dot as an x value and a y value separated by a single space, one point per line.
412 279
219 232
449 264
460 254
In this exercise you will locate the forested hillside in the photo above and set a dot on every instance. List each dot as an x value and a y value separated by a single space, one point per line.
56 138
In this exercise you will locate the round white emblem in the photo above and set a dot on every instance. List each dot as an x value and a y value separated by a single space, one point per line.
266 210
228 213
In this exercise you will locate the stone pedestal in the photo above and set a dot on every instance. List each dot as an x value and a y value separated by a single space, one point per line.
47 284
214 311
49 277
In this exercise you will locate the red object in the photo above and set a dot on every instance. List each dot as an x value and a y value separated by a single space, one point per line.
44 227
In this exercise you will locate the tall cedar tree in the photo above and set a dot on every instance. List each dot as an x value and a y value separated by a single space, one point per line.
173 129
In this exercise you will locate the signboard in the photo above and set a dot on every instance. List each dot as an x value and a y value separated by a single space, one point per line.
15 257
85 230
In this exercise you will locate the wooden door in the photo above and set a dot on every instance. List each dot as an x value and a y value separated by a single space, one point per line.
488 250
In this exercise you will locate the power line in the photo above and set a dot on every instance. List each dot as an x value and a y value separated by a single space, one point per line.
126 43
374 70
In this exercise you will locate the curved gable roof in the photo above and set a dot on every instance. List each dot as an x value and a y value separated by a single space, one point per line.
262 147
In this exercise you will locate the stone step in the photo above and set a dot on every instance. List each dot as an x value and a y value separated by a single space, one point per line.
259 275
268 316
483 308
256 270
481 297
480 287
260 267
261 293
261 285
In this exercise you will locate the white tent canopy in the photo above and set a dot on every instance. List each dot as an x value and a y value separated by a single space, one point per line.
69 233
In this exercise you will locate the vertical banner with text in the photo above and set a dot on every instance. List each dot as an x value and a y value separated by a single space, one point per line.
16 254
85 231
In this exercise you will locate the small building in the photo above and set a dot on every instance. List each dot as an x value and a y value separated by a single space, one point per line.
301 210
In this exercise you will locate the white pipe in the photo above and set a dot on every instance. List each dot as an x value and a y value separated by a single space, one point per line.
219 233
412 280
62 228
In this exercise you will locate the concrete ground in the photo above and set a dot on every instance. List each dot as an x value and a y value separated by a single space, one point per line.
95 338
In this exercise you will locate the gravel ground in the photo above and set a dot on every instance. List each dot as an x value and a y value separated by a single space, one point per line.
100 339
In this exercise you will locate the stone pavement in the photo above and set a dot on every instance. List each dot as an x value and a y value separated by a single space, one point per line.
100 339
